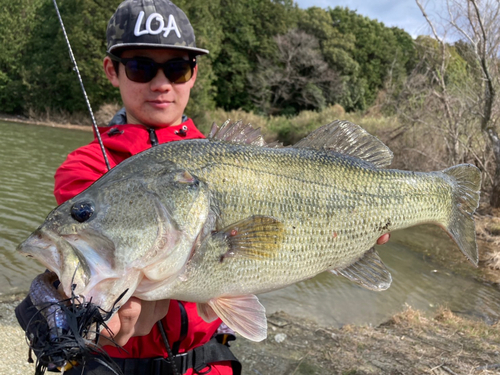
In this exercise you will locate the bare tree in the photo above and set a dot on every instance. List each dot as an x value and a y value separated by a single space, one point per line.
297 78
477 24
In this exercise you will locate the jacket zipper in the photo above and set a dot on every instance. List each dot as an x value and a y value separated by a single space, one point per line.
152 137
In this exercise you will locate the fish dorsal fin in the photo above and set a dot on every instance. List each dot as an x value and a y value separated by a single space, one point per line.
238 132
256 237
369 272
243 314
349 139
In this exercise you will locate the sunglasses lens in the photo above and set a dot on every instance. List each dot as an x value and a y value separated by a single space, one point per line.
140 71
178 71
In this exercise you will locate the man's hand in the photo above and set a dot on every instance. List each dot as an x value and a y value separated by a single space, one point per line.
135 318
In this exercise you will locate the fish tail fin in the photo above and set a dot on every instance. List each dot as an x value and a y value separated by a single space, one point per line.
466 183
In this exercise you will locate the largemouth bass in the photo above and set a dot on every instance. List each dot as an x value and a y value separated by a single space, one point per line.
219 220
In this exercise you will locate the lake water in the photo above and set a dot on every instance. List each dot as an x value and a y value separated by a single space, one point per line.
30 154
29 157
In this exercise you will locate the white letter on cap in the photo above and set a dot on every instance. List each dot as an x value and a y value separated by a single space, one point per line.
161 25
171 26
137 29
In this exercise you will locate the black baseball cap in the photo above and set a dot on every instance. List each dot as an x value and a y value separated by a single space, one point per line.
150 24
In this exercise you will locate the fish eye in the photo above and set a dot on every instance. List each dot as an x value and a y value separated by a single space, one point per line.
82 211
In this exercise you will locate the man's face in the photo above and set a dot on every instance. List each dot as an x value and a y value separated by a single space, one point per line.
157 103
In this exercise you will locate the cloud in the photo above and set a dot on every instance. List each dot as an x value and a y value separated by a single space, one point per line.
404 14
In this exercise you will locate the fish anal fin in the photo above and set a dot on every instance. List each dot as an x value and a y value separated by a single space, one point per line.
243 314
256 237
349 139
369 272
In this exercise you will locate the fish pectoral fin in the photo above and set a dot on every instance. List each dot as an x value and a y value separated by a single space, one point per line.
206 312
257 237
369 272
350 139
243 314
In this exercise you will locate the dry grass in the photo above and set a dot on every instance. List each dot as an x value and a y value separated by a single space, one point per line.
105 113
286 129
409 317
466 327
488 235
60 117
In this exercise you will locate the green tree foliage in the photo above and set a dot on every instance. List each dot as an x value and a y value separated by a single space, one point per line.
338 51
17 20
248 28
49 77
456 70
382 53
37 73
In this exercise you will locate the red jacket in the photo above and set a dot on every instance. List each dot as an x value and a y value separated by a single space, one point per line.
84 166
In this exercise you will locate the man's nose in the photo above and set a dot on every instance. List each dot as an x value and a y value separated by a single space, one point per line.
160 82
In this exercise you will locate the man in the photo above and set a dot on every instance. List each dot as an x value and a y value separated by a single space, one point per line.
151 58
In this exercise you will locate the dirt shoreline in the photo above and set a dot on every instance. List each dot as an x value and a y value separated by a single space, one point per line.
27 121
409 343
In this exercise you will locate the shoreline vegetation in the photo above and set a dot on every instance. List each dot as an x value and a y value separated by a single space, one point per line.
411 342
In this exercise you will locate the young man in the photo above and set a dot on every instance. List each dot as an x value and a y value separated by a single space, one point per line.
151 58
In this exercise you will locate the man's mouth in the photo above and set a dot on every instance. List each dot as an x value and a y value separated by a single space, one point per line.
160 103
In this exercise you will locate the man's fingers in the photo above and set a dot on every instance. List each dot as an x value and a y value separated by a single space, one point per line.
135 318
151 312
383 239
122 325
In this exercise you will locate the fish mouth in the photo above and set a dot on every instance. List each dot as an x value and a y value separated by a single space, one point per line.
83 265
59 256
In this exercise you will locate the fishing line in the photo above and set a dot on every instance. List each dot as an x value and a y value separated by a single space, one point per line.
83 88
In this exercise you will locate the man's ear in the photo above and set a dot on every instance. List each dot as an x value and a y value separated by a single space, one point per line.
110 71
193 78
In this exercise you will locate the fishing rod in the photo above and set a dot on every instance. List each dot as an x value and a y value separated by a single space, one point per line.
98 135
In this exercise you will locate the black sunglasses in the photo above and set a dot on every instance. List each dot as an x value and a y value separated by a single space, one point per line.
143 69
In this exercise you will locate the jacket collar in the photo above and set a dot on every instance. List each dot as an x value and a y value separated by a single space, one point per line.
130 139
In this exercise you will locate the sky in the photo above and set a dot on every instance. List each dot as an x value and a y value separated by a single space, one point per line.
404 14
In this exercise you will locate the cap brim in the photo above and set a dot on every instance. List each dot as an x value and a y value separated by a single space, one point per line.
124 46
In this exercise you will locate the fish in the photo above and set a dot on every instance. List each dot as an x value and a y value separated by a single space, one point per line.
218 221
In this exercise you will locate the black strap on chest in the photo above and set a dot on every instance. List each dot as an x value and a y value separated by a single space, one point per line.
198 359
184 327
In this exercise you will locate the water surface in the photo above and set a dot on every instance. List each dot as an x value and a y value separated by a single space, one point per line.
29 157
